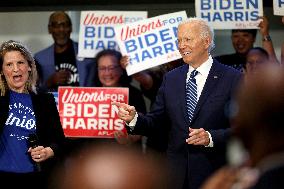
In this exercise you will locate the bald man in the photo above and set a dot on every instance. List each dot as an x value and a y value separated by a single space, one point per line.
59 62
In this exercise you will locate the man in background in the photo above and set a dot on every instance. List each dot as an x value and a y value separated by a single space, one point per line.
59 62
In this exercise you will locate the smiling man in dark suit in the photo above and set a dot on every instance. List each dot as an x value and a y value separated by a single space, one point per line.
198 134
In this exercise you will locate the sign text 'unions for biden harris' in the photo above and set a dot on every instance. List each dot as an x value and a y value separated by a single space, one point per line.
150 42
88 112
230 14
97 29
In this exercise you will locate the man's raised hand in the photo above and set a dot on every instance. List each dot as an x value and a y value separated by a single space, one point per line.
125 111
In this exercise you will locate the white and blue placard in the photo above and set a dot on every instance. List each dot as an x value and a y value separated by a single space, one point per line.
150 42
97 29
230 14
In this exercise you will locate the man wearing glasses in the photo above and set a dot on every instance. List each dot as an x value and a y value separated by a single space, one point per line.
59 62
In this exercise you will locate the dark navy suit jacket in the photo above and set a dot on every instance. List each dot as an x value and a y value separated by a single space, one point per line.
188 163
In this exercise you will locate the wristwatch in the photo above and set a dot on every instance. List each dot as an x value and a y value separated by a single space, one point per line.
266 38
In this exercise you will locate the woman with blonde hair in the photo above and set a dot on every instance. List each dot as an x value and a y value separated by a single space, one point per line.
31 136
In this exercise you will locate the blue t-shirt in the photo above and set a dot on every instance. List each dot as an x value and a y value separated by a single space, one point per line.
14 139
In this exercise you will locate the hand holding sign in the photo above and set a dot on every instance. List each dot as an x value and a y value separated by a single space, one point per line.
124 61
125 111
149 42
263 26
87 111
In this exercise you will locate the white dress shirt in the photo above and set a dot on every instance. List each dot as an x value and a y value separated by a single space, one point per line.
203 71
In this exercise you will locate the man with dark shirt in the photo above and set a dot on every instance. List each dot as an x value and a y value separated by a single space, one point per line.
59 62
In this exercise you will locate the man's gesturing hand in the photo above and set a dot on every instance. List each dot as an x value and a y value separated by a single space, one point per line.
125 111
198 137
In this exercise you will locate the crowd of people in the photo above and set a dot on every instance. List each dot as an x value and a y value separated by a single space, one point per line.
197 105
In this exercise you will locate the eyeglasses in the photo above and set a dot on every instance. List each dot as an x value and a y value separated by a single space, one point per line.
109 68
59 24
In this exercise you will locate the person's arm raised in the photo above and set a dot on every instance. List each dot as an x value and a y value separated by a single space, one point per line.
266 39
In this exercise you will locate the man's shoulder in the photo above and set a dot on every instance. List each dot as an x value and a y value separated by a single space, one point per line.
235 60
176 71
50 49
75 43
226 68
44 51
227 59
232 60
225 56
179 69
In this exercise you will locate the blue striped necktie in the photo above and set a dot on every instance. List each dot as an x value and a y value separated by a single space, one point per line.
191 94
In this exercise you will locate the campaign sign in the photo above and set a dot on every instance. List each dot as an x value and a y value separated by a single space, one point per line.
278 7
230 14
150 42
97 29
87 111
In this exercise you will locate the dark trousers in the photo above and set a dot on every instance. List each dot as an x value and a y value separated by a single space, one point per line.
34 180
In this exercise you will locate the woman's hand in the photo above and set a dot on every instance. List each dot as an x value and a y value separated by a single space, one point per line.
41 153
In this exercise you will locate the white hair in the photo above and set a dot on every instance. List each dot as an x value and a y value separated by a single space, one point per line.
205 29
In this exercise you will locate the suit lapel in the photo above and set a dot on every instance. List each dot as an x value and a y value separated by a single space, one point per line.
213 77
